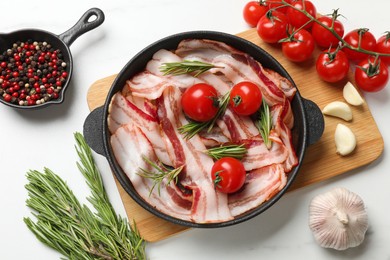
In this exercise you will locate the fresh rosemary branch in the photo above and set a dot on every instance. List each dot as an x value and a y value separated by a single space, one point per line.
185 67
193 127
264 124
73 229
235 151
162 173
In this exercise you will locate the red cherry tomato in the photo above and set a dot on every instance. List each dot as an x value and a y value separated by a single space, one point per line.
371 76
383 46
300 48
367 42
253 11
228 175
272 26
245 98
278 6
199 102
323 37
297 18
332 66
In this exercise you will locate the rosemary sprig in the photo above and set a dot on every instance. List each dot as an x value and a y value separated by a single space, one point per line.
163 172
264 124
185 67
71 228
193 127
235 151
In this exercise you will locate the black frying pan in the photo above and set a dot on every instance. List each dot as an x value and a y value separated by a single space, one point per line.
308 127
61 42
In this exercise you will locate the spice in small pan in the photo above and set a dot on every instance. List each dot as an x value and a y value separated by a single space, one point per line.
31 73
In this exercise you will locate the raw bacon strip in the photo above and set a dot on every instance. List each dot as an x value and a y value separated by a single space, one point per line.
285 135
129 144
261 184
284 84
122 112
236 65
152 82
259 156
208 205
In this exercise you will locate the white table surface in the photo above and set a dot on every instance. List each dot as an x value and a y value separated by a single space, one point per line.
37 139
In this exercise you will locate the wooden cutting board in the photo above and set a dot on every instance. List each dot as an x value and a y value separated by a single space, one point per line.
321 161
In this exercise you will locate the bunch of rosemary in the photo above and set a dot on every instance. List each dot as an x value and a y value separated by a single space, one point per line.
73 229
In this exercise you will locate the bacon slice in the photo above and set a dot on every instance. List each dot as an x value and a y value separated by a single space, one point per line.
261 184
285 135
151 82
208 204
258 155
129 144
235 65
122 112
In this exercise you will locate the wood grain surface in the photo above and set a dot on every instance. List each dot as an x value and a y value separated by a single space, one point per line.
321 161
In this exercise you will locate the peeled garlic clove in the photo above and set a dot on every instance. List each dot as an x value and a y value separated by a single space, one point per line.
338 109
338 219
351 95
345 140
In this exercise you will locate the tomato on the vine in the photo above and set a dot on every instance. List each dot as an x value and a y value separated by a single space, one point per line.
367 42
322 36
278 5
272 26
371 75
228 175
332 65
297 18
300 47
200 102
253 11
245 98
383 46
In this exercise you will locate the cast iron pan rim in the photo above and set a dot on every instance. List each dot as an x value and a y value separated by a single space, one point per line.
59 44
123 179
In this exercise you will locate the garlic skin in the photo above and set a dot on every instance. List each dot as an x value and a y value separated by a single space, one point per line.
338 219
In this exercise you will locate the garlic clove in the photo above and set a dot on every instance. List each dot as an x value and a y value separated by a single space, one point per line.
338 109
351 95
338 219
345 140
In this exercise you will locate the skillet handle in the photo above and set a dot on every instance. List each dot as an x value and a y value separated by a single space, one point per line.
83 25
315 121
93 130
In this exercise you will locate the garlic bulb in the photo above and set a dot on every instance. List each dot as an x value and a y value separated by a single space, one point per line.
338 219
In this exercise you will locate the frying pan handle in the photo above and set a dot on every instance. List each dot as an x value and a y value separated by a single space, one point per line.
315 121
93 130
83 25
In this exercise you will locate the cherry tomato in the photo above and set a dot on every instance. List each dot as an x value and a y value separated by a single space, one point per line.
333 65
297 18
199 102
278 6
300 47
371 76
253 11
272 26
245 98
367 42
383 46
323 37
228 174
